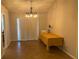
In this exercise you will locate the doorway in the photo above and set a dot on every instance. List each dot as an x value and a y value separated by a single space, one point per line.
3 29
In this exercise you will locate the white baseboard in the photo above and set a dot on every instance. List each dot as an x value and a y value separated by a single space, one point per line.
67 53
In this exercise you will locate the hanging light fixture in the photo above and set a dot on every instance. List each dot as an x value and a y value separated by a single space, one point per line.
31 13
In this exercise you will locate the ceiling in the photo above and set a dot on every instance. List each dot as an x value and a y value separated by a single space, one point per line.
22 6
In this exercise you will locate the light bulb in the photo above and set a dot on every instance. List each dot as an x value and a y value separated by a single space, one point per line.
31 15
35 16
26 15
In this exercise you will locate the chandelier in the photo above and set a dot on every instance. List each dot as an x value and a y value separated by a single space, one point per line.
31 13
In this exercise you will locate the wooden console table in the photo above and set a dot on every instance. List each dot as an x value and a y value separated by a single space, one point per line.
50 39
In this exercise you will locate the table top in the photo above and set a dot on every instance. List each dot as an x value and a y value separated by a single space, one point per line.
50 35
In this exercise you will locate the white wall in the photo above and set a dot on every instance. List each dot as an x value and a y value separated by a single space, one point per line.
43 21
4 12
63 17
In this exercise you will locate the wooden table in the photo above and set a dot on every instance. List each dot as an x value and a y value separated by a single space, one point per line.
50 39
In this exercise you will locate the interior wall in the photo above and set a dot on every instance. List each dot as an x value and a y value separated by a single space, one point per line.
42 21
13 26
62 16
5 12
13 16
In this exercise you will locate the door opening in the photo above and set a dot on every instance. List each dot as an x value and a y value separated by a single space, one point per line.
2 30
